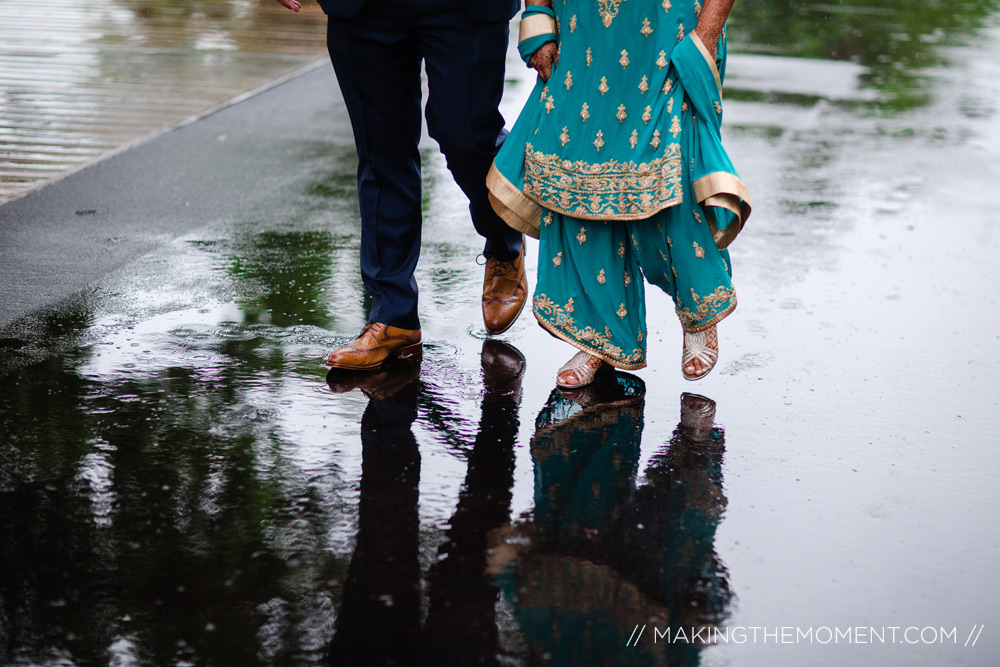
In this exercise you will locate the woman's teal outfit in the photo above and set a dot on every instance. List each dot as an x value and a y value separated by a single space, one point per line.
616 165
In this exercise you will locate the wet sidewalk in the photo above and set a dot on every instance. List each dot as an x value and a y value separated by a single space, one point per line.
181 482
80 79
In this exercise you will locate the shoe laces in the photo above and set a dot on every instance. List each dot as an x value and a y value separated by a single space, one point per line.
500 267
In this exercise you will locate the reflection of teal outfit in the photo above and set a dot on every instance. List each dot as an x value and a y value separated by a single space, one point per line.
616 165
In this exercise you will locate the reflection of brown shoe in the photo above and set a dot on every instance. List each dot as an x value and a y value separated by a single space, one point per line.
503 366
377 343
387 381
505 289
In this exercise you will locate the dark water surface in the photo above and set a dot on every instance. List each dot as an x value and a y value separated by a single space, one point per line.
182 483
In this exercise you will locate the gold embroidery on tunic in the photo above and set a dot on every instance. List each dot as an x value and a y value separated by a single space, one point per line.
604 85
605 189
628 279
569 305
644 84
647 115
590 58
547 219
680 32
572 23
655 143
666 6
545 93
667 86
674 271
684 106
624 61
568 81
634 139
697 8
621 115
564 137
663 256
669 243
557 260
621 311
639 337
621 248
698 250
600 277
697 217
584 114
661 62
582 236
550 103
646 30
598 142
670 105
608 10
675 126
718 107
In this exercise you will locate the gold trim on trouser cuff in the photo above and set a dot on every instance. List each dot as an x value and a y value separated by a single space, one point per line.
512 205
712 322
583 346
535 25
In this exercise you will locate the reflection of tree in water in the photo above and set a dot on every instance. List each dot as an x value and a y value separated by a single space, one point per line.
287 273
895 39
601 555
155 516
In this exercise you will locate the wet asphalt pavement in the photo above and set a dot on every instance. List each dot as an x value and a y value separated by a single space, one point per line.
180 482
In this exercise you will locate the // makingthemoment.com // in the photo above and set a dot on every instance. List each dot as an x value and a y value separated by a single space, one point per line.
789 634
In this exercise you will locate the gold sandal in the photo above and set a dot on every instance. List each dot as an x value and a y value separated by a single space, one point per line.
696 347
580 371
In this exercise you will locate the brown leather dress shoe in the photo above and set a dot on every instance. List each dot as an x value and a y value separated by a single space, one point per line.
377 344
505 289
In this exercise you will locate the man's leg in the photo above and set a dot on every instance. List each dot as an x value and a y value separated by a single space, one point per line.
378 67
465 69
465 73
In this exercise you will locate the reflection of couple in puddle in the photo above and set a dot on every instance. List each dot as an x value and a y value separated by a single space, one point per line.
598 556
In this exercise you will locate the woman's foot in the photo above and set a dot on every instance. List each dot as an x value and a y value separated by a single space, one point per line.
701 351
580 371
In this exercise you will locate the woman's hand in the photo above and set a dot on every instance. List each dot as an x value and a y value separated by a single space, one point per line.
544 59
713 17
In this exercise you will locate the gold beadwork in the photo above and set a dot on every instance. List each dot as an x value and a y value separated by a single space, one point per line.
718 107
680 32
584 114
698 250
582 236
646 30
547 219
600 277
572 23
644 84
564 137
608 10
569 305
621 248
624 61
590 58
621 115
634 139
550 103
655 143
661 62
599 141
667 86
647 115
675 126
666 5
628 279
622 312
568 81
604 85
557 260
